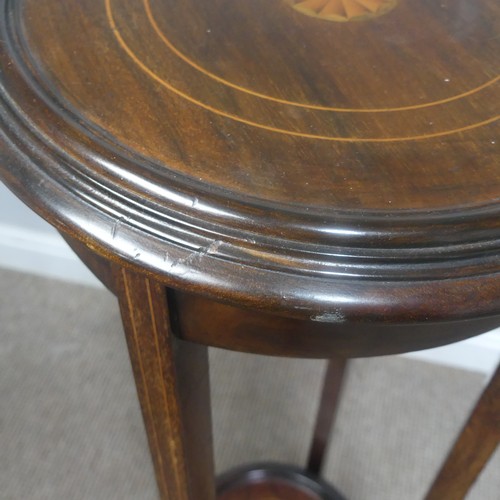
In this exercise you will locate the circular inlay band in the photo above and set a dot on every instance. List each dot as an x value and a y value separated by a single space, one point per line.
217 78
486 115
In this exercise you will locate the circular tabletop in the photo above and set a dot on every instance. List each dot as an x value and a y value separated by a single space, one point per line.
332 160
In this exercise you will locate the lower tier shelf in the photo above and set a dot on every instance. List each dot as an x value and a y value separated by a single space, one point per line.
268 481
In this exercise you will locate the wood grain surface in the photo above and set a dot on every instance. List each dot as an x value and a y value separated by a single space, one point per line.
251 97
302 187
330 171
475 445
172 382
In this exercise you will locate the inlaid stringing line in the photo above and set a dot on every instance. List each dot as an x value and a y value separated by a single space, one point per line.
130 305
225 114
201 69
173 438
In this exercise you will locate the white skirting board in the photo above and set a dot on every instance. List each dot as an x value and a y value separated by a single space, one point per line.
46 253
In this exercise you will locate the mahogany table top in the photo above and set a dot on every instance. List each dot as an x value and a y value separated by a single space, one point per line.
328 159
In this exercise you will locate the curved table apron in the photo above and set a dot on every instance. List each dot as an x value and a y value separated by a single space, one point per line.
306 178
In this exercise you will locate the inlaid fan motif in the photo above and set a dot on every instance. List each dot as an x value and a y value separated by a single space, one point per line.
343 10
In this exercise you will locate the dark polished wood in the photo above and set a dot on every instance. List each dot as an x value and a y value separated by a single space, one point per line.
327 411
173 386
207 322
241 329
305 179
477 442
273 482
348 170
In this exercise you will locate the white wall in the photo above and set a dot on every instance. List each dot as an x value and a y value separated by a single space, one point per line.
29 244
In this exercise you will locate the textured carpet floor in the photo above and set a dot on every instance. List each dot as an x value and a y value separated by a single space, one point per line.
70 425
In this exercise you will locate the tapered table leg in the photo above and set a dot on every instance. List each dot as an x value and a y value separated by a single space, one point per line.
173 386
473 448
330 396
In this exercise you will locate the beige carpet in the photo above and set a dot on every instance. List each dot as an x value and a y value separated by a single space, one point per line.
70 425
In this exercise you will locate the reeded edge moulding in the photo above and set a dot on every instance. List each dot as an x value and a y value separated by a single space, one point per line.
335 264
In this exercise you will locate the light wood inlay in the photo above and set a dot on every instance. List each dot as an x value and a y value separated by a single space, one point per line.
165 370
343 10
371 99
328 133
